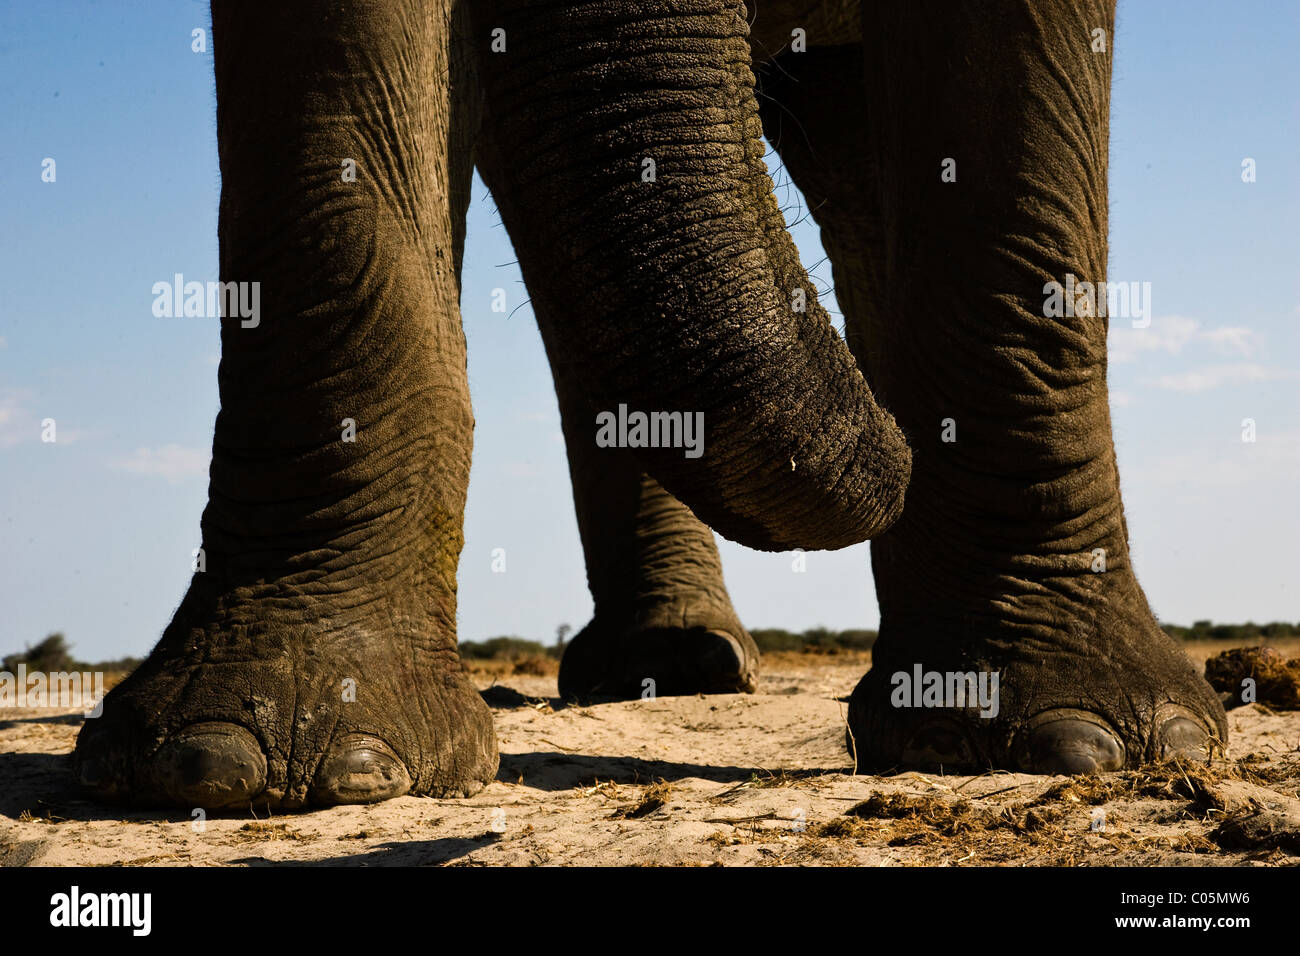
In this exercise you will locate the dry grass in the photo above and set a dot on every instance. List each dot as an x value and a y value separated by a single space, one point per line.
113 678
1057 824
534 665
1171 780
653 797
719 839
815 657
782 778
1203 650
607 789
172 859
28 817
262 831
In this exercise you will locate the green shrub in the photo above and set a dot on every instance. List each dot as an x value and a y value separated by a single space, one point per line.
1248 633
53 655
771 639
50 655
819 638
503 648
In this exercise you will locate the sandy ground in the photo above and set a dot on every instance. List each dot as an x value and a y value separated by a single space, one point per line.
731 780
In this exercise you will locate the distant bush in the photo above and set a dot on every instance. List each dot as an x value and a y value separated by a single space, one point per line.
505 648
815 639
49 655
858 639
53 654
1238 633
775 639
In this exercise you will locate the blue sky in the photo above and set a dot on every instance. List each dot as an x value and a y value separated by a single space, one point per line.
96 530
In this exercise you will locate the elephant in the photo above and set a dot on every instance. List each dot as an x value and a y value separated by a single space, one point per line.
955 159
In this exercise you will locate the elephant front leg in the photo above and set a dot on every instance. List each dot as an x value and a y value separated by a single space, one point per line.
964 178
1014 632
313 659
663 622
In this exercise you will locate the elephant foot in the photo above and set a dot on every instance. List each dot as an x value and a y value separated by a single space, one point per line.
1095 690
656 659
267 700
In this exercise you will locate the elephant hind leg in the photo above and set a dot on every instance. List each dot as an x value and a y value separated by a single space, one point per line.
663 622
614 659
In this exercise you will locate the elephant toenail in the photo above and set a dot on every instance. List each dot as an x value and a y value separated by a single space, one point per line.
212 764
1184 737
359 769
1068 742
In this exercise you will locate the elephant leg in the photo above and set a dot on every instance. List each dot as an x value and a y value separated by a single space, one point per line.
663 622
1014 633
313 659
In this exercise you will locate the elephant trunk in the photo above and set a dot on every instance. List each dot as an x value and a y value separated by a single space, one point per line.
622 145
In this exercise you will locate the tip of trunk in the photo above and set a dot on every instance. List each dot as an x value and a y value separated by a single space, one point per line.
819 467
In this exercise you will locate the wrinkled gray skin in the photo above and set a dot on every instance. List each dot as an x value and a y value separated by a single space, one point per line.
332 563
